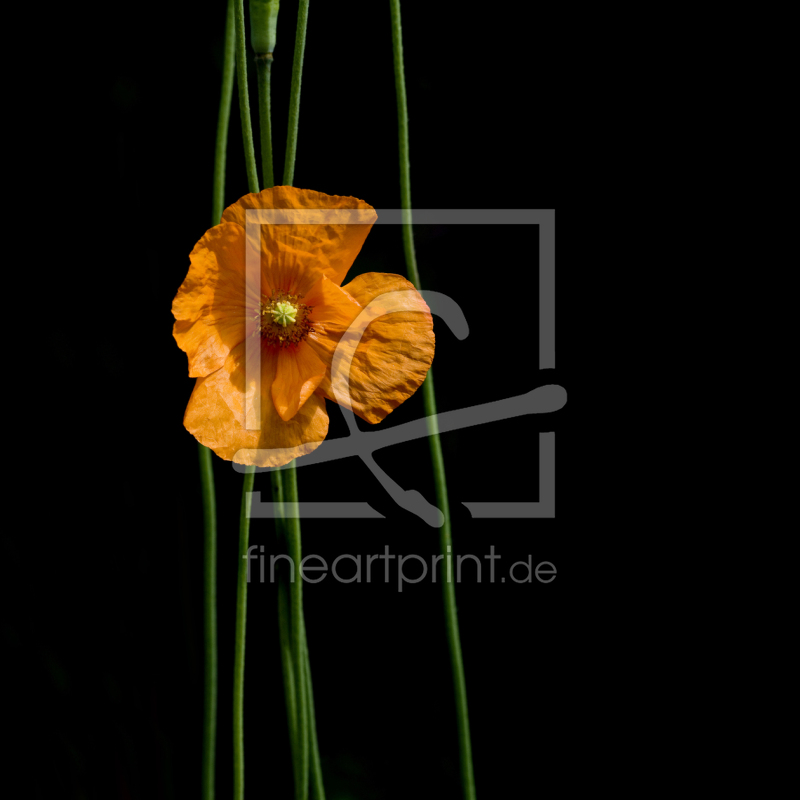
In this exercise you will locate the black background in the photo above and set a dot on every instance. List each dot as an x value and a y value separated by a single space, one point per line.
108 639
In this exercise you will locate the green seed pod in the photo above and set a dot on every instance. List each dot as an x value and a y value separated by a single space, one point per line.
263 24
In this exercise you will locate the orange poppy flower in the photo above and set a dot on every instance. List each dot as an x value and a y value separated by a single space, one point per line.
296 322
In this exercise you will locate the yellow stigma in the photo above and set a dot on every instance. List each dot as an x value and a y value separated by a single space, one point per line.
283 319
284 314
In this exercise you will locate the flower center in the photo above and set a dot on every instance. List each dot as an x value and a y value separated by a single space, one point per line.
283 319
284 314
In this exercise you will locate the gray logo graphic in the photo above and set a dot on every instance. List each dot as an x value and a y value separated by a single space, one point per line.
541 400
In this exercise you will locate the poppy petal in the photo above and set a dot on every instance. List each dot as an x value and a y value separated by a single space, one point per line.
333 247
215 416
299 372
332 309
394 353
210 307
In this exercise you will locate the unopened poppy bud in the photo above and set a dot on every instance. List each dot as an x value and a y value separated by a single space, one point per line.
263 25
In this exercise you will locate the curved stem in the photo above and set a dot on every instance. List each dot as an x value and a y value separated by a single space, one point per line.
244 99
264 68
429 399
241 624
294 101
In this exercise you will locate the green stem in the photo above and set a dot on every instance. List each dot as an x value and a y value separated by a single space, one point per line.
294 101
288 478
284 624
210 620
429 399
449 594
264 68
298 650
211 672
241 624
304 695
223 120
317 787
287 660
244 99
287 666
249 475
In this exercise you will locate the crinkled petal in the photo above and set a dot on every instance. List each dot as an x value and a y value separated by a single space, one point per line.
332 309
332 246
299 372
215 415
210 307
390 360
